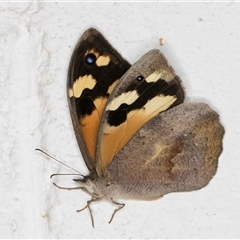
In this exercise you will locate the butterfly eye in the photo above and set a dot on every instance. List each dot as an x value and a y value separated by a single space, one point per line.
140 78
90 59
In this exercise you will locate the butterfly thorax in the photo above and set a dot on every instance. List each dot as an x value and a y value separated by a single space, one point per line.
106 188
102 188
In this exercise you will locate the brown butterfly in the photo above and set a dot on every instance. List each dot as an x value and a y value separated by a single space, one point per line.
138 139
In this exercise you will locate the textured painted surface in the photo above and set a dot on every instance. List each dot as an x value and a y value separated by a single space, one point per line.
201 42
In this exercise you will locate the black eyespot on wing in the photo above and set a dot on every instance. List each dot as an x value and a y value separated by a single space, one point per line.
117 117
140 78
90 59
85 106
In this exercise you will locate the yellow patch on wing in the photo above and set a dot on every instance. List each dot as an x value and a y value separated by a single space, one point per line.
103 61
111 87
158 104
80 84
154 77
128 98
89 126
160 74
114 138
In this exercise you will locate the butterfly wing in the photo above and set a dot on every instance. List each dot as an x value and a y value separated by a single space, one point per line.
175 151
94 70
149 87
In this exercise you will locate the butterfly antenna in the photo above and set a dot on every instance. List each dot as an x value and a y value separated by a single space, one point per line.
64 174
40 150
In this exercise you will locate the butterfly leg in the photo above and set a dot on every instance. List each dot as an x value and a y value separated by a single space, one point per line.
88 206
120 206
95 198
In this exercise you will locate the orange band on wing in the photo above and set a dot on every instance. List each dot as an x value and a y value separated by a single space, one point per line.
110 142
89 126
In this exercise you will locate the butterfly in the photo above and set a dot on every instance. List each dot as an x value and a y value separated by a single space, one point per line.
138 137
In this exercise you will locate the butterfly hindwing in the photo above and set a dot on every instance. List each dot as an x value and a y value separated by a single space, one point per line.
94 70
175 151
149 87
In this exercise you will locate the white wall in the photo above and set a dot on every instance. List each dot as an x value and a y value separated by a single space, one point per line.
36 42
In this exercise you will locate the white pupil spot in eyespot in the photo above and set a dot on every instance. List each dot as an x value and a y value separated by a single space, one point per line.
140 78
90 59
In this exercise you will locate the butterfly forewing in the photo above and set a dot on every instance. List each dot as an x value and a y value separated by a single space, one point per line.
94 70
148 88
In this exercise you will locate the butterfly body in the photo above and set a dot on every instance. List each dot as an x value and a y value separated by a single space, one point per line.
138 138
